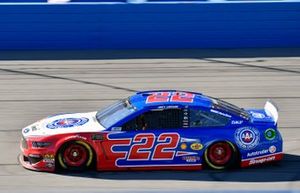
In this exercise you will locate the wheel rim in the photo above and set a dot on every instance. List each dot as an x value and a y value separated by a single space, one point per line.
75 155
220 153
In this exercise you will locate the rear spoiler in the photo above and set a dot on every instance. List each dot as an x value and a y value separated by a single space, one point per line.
271 110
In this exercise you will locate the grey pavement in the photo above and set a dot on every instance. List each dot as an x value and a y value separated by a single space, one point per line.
33 89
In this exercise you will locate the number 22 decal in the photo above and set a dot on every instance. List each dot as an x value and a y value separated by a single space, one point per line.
144 142
184 97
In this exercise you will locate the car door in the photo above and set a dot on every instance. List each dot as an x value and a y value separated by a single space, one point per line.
153 140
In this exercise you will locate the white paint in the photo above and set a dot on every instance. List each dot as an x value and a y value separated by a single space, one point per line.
58 1
136 1
162 2
91 126
271 111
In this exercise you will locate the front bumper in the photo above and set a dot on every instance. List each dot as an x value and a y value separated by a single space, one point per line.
36 159
36 167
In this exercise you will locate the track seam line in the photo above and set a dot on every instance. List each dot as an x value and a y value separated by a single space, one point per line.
252 66
68 79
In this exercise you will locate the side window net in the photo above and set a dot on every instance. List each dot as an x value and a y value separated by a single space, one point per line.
162 119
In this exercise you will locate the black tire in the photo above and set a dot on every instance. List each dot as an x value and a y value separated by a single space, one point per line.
75 156
228 157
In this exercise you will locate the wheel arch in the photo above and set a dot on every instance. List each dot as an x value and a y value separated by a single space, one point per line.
73 138
230 142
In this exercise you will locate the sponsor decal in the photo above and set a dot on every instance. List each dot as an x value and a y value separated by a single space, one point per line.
34 128
75 136
185 121
67 122
190 159
167 107
98 137
183 146
247 137
188 140
26 130
220 113
196 146
236 122
50 165
49 160
116 129
257 115
261 160
257 153
48 157
270 134
272 149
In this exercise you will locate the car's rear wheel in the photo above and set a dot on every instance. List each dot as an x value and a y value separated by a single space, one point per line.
220 155
75 155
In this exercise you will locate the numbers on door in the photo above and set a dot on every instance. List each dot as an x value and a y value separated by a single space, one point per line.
157 97
143 143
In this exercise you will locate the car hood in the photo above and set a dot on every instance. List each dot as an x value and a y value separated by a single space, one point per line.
64 123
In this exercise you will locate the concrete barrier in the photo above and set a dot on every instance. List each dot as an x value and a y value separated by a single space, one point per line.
120 25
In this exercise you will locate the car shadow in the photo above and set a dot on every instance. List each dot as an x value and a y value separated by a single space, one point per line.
286 170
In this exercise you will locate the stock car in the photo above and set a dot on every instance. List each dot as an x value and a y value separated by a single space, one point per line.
155 130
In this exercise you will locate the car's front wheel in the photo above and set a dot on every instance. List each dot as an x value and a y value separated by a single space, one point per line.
220 155
75 155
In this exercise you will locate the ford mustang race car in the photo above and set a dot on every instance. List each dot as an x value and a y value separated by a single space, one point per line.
154 130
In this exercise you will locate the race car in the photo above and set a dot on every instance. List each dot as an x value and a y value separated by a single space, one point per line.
155 130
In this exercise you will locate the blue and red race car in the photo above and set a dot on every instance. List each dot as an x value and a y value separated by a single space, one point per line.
154 130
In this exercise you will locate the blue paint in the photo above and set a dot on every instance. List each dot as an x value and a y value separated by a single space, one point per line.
151 25
247 137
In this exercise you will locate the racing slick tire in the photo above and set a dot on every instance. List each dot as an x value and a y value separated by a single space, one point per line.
75 156
221 155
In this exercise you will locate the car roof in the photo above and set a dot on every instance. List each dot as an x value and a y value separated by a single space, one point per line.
139 100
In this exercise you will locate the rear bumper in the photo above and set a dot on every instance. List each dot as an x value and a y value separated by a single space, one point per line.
269 150
261 160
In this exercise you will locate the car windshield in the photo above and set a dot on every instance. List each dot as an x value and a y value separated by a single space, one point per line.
225 106
114 113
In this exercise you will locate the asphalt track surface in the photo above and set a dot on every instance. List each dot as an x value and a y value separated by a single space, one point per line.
33 89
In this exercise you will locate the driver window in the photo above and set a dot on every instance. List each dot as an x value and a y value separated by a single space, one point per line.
202 118
138 123
151 120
